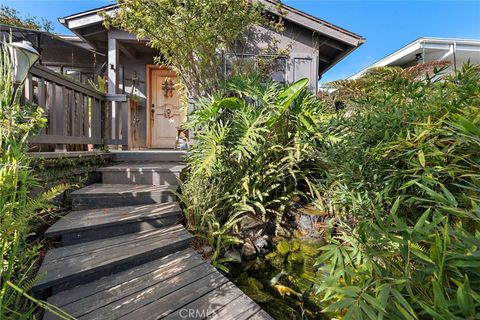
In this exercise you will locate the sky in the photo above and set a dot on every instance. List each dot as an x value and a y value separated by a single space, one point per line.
386 25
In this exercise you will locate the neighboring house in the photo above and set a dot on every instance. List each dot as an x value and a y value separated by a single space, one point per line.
455 51
314 47
68 55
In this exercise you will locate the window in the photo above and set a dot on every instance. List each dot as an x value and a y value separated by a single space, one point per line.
271 67
274 68
237 64
73 74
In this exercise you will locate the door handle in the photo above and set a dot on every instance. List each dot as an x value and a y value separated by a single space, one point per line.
167 113
152 110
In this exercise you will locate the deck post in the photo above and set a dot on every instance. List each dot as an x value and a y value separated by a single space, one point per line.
42 99
113 64
124 109
96 121
59 109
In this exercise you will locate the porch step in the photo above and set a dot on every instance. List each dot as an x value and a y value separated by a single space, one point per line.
152 173
150 155
160 289
102 195
95 224
66 267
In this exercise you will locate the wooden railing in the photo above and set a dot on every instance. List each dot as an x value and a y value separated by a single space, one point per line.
77 114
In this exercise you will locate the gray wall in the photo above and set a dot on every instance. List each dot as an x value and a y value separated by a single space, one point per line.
302 47
139 66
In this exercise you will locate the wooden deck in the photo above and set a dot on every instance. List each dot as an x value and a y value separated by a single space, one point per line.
130 259
170 288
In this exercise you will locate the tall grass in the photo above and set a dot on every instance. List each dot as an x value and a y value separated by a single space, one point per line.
19 213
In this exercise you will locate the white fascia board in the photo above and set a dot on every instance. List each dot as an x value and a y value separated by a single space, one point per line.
409 49
458 41
449 45
436 46
85 20
468 45
88 12
468 48
444 44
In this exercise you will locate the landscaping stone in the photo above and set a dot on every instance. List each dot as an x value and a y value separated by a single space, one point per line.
248 249
283 232
261 244
249 222
207 250
234 255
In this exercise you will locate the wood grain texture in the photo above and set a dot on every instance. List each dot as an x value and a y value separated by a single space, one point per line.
98 218
69 266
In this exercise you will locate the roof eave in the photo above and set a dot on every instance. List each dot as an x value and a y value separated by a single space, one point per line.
88 12
341 56
65 21
294 15
52 35
315 24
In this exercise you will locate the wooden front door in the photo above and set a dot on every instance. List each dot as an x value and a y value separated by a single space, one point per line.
166 115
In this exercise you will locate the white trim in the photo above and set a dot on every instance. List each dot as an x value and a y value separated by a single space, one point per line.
424 43
81 14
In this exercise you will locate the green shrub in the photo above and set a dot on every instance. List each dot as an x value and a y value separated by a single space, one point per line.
402 187
249 156
397 173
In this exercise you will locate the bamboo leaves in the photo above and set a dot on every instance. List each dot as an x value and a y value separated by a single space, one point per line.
421 158
414 201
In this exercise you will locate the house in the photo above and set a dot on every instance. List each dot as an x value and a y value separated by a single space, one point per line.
455 51
67 55
314 47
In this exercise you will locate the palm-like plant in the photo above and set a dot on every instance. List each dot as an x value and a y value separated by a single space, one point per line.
252 142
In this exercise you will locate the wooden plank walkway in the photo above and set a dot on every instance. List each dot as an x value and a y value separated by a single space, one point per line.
129 259
170 288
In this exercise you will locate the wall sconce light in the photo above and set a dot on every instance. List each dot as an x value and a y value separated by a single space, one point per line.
23 57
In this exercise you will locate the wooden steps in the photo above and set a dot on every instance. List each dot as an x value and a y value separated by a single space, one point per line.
151 173
124 256
101 195
149 156
68 266
165 288
95 224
